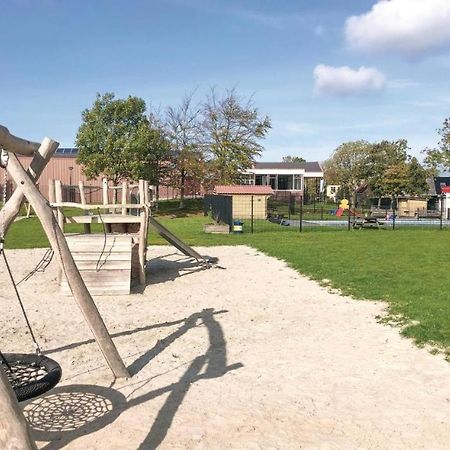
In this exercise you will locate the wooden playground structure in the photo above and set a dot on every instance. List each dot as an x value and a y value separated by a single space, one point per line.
125 227
110 261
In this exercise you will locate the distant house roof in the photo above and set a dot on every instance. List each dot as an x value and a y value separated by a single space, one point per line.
312 166
244 189
437 183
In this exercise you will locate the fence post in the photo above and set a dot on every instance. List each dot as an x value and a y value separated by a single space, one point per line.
252 217
289 206
301 215
442 212
321 213
348 219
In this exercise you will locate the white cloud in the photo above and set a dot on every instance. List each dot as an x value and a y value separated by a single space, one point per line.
409 27
343 81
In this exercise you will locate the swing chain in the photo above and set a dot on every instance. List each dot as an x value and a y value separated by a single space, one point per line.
4 158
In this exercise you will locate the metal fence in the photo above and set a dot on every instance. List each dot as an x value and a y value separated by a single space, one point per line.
254 214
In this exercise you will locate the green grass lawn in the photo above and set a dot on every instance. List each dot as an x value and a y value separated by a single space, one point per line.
406 268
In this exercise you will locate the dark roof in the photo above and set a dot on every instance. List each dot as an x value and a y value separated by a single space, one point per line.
312 166
438 183
67 152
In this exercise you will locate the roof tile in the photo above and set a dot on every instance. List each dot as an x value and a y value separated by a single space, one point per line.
243 189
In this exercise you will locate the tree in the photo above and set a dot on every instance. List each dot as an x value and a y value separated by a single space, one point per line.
347 166
293 159
183 124
381 156
395 179
440 157
115 140
417 178
233 128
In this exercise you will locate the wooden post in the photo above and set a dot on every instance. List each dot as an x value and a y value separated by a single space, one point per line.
146 196
141 192
28 209
12 207
14 431
51 191
51 194
68 266
82 195
143 230
59 199
86 226
124 197
105 191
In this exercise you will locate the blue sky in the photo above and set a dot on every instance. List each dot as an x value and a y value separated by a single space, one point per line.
325 72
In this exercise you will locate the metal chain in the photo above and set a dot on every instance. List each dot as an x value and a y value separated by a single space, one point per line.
4 158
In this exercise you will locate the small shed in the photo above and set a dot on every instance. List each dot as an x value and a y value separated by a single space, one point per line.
247 200
408 206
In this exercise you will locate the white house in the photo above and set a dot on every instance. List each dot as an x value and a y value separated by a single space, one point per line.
282 176
332 190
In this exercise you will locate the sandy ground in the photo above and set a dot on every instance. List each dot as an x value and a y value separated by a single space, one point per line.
247 355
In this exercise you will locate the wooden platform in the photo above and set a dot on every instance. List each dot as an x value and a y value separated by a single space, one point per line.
105 266
106 218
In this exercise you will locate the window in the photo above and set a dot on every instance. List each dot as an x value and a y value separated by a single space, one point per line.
247 179
260 180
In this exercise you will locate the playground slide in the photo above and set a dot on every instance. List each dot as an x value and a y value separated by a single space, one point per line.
174 240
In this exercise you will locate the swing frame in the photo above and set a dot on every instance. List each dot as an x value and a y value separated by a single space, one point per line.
16 428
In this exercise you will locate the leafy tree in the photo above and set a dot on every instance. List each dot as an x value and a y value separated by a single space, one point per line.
115 140
293 159
381 156
417 178
440 157
395 179
347 166
183 125
233 128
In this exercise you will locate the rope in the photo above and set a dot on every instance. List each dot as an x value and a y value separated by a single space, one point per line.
38 349
98 266
40 266
5 362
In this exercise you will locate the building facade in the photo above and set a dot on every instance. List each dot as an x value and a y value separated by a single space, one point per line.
282 176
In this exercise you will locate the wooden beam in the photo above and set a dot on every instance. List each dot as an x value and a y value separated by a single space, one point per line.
68 266
143 230
82 194
124 197
17 145
141 192
105 191
14 430
12 207
89 207
86 226
146 192
59 198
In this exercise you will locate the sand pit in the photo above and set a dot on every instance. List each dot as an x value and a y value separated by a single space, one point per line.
247 355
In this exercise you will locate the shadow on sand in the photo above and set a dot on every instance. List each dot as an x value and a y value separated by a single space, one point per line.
68 412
